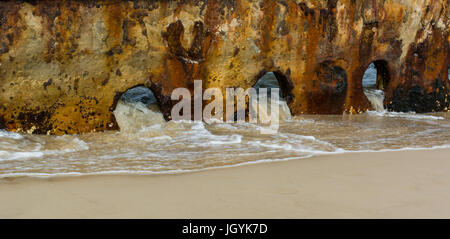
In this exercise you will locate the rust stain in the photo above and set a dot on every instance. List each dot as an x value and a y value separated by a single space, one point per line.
319 51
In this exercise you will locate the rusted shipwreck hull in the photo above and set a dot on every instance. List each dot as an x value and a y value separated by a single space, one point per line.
64 64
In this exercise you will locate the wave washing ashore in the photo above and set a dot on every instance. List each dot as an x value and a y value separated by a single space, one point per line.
147 144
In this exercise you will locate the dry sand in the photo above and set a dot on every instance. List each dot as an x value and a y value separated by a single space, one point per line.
407 184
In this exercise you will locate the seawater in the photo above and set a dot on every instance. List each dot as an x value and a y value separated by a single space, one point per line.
375 96
146 144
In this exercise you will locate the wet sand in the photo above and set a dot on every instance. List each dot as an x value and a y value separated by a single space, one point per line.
406 184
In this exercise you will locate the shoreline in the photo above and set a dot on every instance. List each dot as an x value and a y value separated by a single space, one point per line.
9 177
394 184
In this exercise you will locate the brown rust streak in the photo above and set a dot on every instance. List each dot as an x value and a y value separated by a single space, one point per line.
313 37
267 32
10 26
316 54
114 20
356 101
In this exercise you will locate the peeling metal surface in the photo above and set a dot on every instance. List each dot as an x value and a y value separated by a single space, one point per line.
64 64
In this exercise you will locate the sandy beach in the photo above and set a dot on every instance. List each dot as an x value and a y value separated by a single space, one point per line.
405 184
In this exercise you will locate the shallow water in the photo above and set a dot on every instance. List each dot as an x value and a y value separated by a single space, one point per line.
147 144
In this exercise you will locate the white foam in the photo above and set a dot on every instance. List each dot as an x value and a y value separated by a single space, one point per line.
233 139
264 108
9 156
149 145
445 146
132 117
225 126
10 135
158 138
409 115
143 172
80 144
376 98
182 171
75 145
198 125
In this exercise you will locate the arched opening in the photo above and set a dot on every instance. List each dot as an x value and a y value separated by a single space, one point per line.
375 81
270 81
448 72
137 108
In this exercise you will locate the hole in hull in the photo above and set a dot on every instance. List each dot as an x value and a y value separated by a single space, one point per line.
136 109
269 81
375 81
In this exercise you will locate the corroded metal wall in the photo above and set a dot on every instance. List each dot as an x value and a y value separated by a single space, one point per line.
64 64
